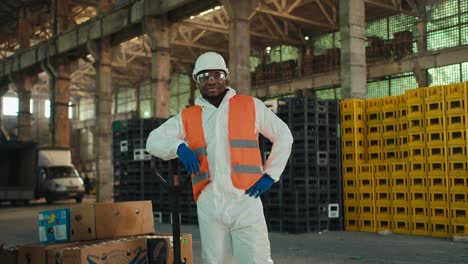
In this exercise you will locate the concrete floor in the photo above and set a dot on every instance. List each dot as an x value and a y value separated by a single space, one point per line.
18 226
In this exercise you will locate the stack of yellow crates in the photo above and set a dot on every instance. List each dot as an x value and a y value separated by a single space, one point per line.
353 132
408 172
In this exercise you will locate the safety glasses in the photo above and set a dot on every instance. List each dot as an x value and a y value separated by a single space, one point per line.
211 75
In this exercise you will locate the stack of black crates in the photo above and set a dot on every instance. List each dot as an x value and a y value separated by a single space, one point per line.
309 196
133 175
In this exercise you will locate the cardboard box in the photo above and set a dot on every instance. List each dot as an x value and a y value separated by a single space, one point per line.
8 255
40 253
124 250
161 249
54 225
82 222
124 219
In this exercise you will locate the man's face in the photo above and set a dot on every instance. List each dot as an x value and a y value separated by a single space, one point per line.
212 84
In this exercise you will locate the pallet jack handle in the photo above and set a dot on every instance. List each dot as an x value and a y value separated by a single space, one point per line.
174 192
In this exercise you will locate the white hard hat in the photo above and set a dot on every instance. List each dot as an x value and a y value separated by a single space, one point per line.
210 61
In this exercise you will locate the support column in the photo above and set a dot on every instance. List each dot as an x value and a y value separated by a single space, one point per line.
421 75
239 44
24 83
353 53
60 106
157 30
101 51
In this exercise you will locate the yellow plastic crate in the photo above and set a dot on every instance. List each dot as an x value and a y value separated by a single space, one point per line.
456 137
381 170
414 95
403 155
400 184
416 125
374 156
437 184
459 215
436 169
403 141
436 153
351 223
373 118
391 156
366 171
349 158
349 171
384 223
374 131
390 102
352 145
435 123
416 140
457 90
434 108
419 211
419 227
384 211
366 182
366 196
439 214
417 169
355 132
391 142
440 229
435 138
417 154
350 196
415 111
456 106
400 197
366 210
418 196
351 209
438 198
401 226
456 122
398 169
400 211
458 184
374 144
367 224
458 199
459 229
374 105
351 184
434 94
390 116
457 153
352 119
457 169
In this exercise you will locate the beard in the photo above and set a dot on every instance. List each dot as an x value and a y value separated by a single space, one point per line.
215 97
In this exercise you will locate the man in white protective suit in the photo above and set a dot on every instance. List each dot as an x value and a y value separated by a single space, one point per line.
217 141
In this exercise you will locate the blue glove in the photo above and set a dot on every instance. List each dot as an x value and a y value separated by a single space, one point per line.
189 158
260 186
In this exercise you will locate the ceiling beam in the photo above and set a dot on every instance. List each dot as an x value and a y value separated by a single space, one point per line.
298 19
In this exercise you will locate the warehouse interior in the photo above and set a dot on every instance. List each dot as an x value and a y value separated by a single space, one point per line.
73 73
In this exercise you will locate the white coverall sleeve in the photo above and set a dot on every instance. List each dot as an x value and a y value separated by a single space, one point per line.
164 140
269 125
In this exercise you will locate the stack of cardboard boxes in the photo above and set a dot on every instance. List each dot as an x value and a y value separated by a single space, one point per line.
99 233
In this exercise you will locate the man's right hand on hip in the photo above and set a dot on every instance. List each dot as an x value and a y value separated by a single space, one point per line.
189 158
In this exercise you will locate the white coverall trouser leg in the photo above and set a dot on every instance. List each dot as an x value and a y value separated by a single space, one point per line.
233 230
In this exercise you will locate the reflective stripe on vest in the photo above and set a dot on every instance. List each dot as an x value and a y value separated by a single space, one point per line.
246 162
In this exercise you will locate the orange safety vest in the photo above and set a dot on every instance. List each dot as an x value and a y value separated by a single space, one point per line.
246 161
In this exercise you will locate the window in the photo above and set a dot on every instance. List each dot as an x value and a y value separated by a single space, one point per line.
126 100
10 106
447 24
87 109
180 92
